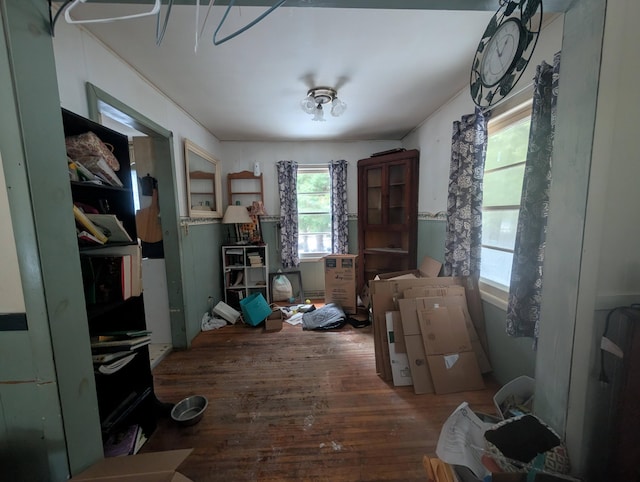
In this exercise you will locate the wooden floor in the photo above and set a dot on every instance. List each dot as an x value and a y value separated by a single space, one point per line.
299 405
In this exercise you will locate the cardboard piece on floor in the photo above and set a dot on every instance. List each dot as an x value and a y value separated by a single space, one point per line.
443 330
452 363
384 296
422 382
399 363
148 467
399 334
452 296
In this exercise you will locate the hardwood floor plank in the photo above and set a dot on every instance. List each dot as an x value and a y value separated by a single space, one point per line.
298 405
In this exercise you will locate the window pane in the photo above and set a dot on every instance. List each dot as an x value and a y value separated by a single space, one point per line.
314 233
499 228
503 187
314 203
312 182
508 145
496 266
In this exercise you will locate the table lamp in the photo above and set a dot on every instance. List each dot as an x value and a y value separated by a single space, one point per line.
236 214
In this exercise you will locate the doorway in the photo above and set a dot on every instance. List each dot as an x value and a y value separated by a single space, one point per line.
152 156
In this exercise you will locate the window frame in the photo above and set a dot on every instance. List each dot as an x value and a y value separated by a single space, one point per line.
314 168
492 291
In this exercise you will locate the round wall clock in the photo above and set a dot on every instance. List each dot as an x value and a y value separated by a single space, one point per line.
505 50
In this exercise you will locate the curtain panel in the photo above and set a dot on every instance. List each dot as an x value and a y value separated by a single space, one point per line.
339 214
287 188
464 202
523 310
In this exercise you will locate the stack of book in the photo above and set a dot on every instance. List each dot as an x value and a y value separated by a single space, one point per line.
118 341
254 259
127 441
100 228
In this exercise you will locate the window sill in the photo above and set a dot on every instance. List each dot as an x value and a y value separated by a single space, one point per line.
494 293
312 259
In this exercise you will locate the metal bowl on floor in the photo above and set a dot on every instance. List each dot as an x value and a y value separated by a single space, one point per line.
190 410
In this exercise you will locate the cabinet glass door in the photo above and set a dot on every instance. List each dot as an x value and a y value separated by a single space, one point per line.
397 190
374 195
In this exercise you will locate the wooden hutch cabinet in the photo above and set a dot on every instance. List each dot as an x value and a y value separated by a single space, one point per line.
387 213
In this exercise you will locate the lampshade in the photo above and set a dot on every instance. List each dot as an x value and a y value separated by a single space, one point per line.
236 214
317 97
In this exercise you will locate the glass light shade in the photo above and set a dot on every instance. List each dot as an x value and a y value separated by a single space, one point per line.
308 105
318 114
337 107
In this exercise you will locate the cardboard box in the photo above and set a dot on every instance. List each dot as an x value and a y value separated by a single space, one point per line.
399 363
340 281
386 293
452 363
273 321
149 467
429 268
420 374
452 296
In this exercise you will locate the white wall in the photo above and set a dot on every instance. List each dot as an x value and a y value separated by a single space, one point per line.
11 295
239 156
433 136
81 58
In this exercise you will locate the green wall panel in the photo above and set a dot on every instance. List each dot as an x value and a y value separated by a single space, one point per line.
202 272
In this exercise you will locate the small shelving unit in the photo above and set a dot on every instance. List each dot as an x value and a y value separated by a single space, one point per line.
126 396
244 187
246 271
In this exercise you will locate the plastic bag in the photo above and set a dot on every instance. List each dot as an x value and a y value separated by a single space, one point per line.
211 322
281 289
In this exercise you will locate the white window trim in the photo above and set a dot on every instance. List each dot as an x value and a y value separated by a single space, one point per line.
310 168
491 292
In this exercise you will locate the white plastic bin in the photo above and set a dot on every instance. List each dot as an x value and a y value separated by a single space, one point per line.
522 388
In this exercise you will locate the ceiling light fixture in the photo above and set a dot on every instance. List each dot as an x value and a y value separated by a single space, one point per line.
317 97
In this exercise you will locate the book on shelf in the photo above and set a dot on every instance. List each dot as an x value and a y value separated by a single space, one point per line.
122 442
107 279
88 239
141 438
111 226
135 251
100 168
114 366
109 357
130 344
87 225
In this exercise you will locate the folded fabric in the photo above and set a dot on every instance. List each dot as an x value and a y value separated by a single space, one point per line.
328 317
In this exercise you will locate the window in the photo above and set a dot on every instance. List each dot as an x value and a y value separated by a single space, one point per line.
314 212
503 174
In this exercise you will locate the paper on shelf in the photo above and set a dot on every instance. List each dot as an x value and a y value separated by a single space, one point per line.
461 440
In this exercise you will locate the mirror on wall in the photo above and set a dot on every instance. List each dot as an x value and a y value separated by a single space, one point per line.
204 191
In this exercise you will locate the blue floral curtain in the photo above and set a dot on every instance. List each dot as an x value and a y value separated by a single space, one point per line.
339 214
523 310
464 203
287 186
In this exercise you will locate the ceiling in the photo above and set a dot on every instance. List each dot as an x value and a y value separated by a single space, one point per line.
392 67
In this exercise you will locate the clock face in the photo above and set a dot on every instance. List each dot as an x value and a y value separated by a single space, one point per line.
500 53
504 50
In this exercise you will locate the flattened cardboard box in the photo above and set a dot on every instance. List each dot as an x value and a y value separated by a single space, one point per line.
399 362
429 268
420 374
452 363
452 296
384 295
149 467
